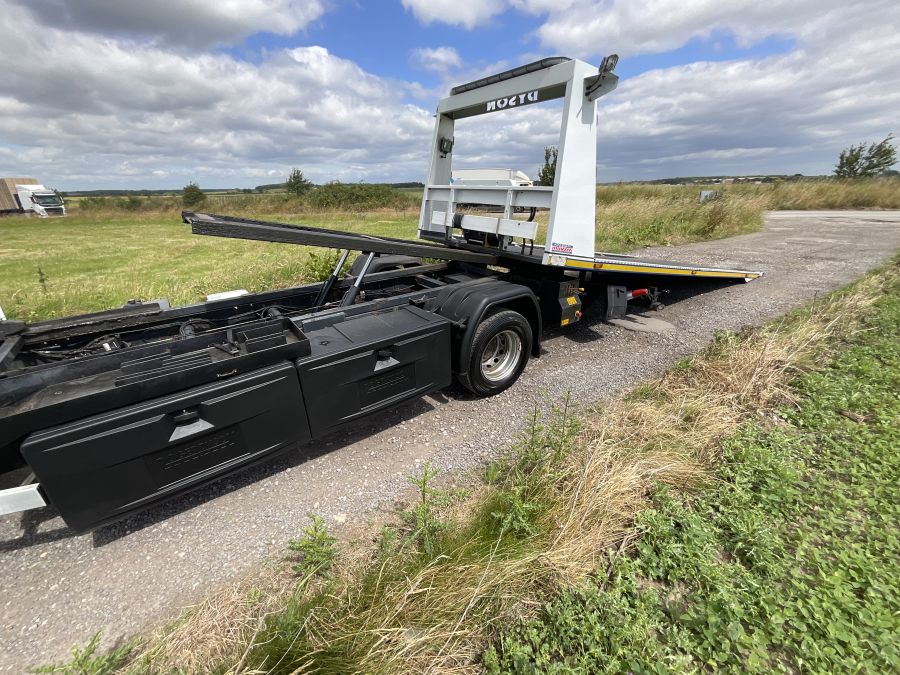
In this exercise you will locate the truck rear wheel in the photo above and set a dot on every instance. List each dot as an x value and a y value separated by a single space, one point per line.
500 351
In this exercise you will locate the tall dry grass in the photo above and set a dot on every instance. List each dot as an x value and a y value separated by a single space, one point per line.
629 217
559 505
349 198
864 193
616 203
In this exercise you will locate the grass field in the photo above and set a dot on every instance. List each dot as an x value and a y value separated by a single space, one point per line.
112 250
743 521
99 261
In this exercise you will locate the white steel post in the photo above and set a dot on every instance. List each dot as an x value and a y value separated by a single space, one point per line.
439 168
572 211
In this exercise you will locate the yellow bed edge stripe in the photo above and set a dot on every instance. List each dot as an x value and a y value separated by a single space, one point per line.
652 269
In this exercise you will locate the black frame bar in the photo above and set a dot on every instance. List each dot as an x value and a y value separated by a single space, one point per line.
258 230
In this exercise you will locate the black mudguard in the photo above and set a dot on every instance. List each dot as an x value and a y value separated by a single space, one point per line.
468 304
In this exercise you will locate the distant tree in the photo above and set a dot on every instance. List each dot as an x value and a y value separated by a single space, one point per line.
547 173
859 161
297 183
192 195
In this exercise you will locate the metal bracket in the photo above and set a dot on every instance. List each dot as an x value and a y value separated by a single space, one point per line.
604 81
21 498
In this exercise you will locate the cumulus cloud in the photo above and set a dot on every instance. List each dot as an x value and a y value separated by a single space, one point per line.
126 108
437 59
465 13
194 23
586 28
786 112
83 110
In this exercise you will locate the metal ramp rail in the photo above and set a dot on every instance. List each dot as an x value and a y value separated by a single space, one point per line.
286 233
461 251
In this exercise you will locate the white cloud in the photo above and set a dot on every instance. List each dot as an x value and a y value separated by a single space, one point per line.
82 110
727 117
124 108
192 23
787 112
589 28
437 59
465 13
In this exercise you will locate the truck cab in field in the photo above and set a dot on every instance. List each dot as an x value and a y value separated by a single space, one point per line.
40 200
25 196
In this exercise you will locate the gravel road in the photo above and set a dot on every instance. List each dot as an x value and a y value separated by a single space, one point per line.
58 587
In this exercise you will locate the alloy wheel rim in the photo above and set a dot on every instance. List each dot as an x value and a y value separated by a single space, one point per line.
501 356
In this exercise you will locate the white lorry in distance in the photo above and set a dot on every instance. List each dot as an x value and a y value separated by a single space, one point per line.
489 177
27 196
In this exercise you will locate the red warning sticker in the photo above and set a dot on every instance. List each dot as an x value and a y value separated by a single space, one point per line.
560 248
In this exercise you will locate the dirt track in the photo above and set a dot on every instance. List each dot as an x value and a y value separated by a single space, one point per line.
58 588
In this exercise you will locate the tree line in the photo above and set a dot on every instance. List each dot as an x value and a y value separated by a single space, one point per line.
857 161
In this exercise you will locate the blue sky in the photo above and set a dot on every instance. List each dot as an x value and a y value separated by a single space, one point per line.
383 36
131 94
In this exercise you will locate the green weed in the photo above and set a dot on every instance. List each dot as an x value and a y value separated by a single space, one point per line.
87 661
514 513
316 548
422 518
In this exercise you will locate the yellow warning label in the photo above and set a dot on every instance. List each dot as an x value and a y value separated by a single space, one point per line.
565 322
572 300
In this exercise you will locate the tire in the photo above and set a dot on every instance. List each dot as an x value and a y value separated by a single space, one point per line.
499 354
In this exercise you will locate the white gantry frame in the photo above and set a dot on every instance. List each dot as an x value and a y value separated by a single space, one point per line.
571 200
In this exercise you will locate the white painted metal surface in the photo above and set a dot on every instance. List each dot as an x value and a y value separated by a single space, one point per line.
491 177
21 498
521 229
571 200
226 295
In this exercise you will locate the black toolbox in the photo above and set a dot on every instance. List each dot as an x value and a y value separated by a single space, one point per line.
365 363
101 467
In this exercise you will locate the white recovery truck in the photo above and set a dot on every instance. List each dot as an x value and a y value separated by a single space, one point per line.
112 412
27 196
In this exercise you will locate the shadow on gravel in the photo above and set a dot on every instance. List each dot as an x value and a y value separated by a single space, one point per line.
589 329
30 524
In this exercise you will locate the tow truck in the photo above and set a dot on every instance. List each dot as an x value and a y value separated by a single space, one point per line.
112 412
